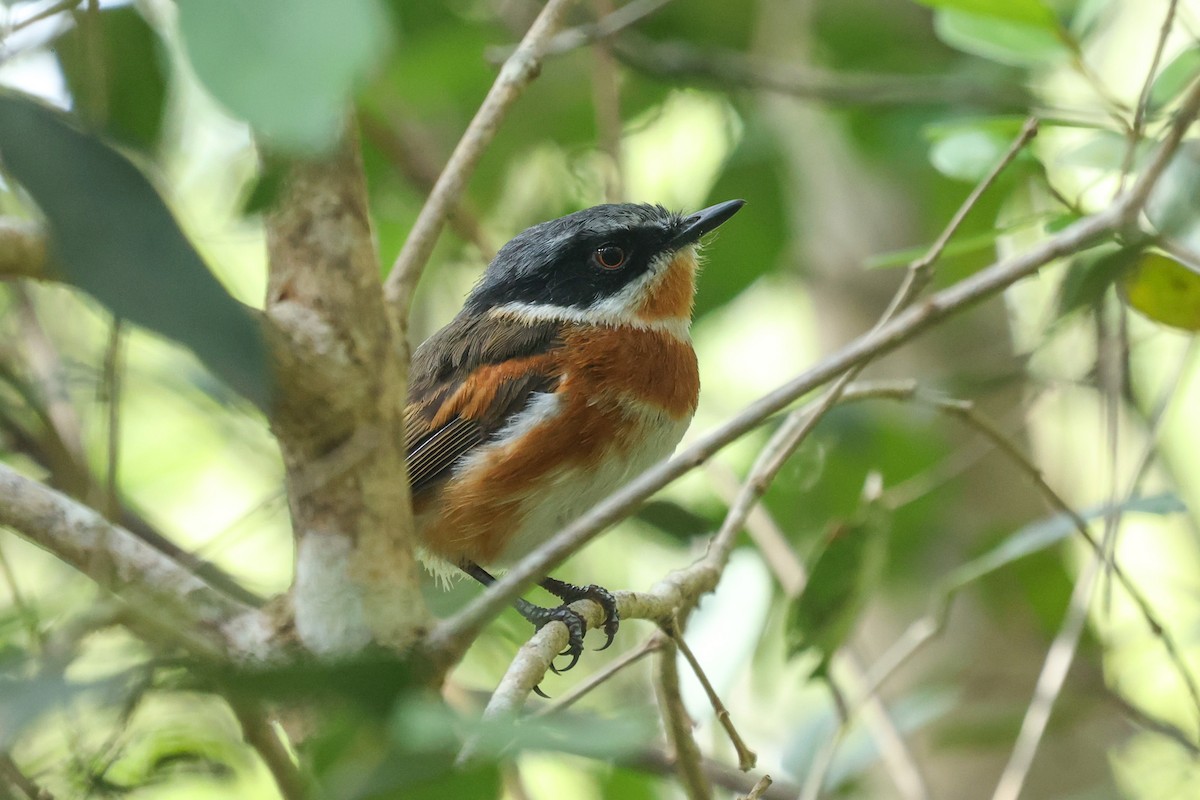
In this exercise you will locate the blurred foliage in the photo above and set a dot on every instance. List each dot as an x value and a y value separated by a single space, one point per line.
159 140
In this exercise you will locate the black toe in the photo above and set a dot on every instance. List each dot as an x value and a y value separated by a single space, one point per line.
574 623
569 593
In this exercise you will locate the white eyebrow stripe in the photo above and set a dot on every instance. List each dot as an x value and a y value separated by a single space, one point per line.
678 327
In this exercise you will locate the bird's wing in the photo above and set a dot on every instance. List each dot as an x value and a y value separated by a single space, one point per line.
467 381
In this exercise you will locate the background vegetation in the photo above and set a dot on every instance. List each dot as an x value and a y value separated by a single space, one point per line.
991 652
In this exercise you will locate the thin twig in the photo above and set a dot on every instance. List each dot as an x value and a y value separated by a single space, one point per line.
920 272
118 561
11 774
516 74
46 13
759 790
1143 102
110 389
747 758
266 740
1050 683
607 26
606 100
814 780
1141 717
659 762
688 761
652 644
790 572
966 413
734 69
406 147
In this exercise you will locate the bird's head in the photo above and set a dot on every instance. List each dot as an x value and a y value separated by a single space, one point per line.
610 264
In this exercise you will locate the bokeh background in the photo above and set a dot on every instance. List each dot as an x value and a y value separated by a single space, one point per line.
854 129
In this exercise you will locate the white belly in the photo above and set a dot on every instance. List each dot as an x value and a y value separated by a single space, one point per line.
574 491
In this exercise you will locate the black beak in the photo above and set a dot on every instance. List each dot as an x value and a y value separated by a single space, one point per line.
704 221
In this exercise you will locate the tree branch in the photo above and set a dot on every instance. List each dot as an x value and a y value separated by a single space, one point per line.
177 603
339 420
520 69
729 68
688 761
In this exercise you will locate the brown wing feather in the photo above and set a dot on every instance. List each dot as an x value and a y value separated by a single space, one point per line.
467 381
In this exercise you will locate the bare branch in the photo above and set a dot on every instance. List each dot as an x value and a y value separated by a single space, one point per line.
516 74
266 740
23 249
607 26
408 149
652 644
688 761
733 69
1050 682
12 775
660 763
747 758
759 789
173 599
791 574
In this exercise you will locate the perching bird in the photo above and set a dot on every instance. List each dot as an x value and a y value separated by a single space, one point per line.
568 371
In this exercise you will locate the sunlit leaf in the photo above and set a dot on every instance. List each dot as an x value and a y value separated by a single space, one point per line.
1045 533
1174 204
1006 41
285 66
966 244
1174 78
841 576
113 237
968 150
1106 150
1164 290
1033 12
126 94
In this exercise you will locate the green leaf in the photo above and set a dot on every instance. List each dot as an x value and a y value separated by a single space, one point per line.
1032 12
968 244
1174 78
112 236
1164 290
285 66
968 150
1045 533
1090 275
1174 204
1017 43
125 97
841 576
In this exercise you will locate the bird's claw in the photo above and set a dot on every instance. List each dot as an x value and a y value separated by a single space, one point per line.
570 618
569 593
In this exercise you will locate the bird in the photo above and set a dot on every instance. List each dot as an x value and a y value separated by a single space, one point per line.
568 371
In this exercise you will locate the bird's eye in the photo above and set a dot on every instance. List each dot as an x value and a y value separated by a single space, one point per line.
609 256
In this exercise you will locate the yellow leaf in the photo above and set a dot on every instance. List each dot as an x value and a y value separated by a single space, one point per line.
1164 290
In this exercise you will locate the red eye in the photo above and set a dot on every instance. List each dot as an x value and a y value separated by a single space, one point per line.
610 257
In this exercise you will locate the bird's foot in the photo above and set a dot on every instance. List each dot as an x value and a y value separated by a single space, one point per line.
569 593
539 617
